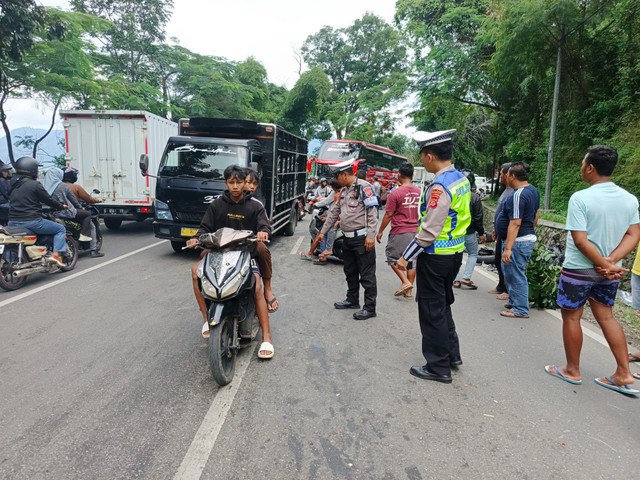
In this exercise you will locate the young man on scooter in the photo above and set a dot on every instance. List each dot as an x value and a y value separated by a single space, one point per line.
237 210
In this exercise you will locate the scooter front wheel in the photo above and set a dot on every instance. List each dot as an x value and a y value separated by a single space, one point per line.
222 351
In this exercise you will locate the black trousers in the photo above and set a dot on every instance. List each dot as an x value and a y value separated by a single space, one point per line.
497 261
360 269
434 276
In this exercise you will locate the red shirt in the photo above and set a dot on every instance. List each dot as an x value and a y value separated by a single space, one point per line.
403 204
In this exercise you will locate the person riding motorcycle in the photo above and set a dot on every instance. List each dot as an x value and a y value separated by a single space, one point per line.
70 177
26 198
5 179
61 192
324 190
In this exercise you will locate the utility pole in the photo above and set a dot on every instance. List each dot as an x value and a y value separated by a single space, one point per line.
552 135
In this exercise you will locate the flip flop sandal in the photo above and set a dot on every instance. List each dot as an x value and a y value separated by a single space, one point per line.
321 261
469 284
205 330
555 372
633 358
510 314
402 290
270 304
303 256
636 375
624 389
265 347
457 284
502 296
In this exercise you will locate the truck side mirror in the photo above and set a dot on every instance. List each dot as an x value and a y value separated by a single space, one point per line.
144 164
254 166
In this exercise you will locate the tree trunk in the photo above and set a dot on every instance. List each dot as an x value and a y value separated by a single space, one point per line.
5 127
53 121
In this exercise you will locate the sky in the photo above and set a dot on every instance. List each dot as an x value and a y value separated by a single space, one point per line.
271 31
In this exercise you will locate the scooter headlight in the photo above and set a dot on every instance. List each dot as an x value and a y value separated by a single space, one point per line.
208 288
233 286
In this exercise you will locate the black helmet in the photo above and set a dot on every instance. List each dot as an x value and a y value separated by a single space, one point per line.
27 166
70 175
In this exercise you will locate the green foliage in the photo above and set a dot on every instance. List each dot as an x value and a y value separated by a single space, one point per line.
365 64
543 272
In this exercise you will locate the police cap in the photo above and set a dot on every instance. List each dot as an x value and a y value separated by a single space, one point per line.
342 166
424 139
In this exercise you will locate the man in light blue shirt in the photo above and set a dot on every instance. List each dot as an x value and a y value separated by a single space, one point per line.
603 226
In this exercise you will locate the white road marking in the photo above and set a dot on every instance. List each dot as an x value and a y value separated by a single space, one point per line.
295 248
586 326
198 454
77 274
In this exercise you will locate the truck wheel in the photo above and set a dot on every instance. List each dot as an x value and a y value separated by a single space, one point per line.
177 246
222 354
290 228
112 223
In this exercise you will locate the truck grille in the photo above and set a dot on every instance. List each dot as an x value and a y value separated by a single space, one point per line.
188 217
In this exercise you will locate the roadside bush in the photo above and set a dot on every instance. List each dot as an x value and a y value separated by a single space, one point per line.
543 272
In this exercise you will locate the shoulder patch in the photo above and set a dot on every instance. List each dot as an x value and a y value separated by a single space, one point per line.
368 192
434 198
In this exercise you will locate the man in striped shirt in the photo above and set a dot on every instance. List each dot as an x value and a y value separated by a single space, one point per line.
516 228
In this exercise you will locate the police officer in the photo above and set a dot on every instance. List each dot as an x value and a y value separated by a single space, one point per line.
357 210
444 215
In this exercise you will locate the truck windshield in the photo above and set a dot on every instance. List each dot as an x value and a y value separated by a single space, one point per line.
201 160
339 151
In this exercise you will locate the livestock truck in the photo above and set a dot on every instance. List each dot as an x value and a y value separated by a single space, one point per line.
105 146
190 174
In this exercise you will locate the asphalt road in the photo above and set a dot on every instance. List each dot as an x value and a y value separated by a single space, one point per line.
104 376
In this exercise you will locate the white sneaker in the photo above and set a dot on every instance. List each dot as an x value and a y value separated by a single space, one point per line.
84 238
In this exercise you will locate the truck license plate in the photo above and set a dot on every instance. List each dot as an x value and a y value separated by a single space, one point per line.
188 232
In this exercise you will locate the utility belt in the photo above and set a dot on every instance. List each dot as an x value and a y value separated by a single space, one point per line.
356 233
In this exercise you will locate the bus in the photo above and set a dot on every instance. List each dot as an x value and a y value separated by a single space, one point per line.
379 162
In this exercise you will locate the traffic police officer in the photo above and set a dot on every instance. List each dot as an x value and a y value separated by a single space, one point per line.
444 215
357 210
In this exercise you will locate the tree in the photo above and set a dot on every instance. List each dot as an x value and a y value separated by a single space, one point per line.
365 63
19 21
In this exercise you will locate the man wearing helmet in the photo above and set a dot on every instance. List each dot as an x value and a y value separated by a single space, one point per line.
5 178
26 198
70 177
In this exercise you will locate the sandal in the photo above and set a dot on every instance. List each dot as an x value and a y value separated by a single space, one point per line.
634 357
304 256
510 314
270 305
402 290
469 284
205 330
321 261
265 347
502 296
457 284
636 376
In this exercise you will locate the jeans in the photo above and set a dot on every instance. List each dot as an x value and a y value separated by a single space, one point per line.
329 239
471 247
635 291
516 278
43 226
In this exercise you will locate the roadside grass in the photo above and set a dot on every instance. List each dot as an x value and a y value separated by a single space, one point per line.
553 216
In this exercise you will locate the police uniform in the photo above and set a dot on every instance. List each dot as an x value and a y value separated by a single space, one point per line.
444 215
356 209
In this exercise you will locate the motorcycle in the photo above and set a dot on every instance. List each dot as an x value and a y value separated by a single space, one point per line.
227 285
316 225
73 227
23 253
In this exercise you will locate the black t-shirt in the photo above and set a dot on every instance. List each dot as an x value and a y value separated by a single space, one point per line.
523 204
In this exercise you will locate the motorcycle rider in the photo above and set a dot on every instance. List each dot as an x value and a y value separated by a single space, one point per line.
5 179
70 177
26 198
61 192
264 254
324 190
237 210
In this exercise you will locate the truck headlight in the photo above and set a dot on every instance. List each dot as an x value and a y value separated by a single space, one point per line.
162 210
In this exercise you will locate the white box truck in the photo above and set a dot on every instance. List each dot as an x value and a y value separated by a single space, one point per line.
105 146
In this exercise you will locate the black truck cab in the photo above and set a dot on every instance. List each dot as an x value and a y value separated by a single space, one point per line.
191 171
